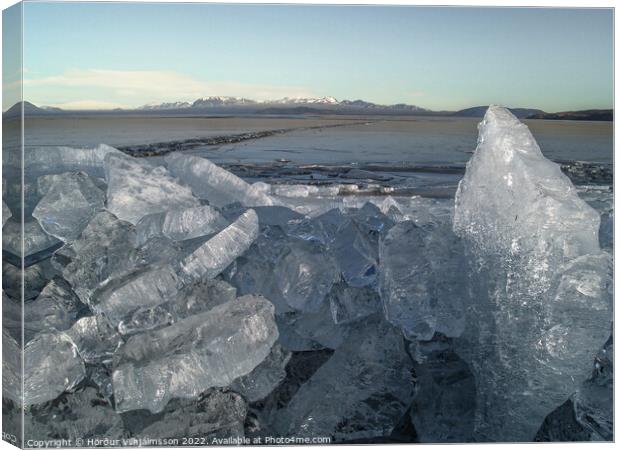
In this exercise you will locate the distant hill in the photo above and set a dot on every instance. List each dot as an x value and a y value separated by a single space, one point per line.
298 106
478 111
588 114
29 110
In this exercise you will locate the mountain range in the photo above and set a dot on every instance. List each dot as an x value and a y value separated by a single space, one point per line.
321 102
300 106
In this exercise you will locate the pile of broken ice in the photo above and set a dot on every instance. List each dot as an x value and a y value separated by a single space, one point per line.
179 300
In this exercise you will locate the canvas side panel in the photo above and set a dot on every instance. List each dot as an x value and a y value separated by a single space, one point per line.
12 220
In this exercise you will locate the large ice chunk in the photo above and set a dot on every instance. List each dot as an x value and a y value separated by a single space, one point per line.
51 366
180 225
349 304
48 160
145 288
37 244
94 338
210 182
6 213
265 377
212 257
102 252
362 391
70 201
11 367
539 286
513 198
304 274
137 188
56 308
593 402
206 350
422 280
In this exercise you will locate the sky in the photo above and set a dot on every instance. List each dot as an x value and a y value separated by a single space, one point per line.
107 55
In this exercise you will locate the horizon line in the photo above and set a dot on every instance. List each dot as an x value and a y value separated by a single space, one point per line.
271 102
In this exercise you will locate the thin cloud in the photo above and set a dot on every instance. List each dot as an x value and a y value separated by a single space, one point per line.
87 104
135 88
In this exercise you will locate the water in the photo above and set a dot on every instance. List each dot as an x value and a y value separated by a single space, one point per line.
413 140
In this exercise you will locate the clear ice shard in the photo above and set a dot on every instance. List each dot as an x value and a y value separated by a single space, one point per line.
69 202
137 188
421 280
265 377
147 287
593 403
206 350
37 243
361 392
103 252
52 366
56 308
95 339
11 367
215 184
6 213
212 257
180 225
48 160
203 296
539 287
349 304
189 300
304 274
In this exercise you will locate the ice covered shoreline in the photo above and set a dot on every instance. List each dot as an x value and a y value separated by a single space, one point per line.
140 275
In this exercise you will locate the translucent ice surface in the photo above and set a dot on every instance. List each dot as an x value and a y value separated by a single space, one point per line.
37 244
362 391
6 213
180 225
51 366
137 188
101 253
94 338
212 257
56 308
69 202
48 160
145 288
206 350
210 182
539 285
422 280
265 377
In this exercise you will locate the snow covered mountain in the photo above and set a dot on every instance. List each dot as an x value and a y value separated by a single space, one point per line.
171 105
221 101
317 102
304 101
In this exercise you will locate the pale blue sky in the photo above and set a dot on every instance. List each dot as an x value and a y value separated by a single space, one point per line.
123 54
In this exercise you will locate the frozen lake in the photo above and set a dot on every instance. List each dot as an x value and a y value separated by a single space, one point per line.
411 140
